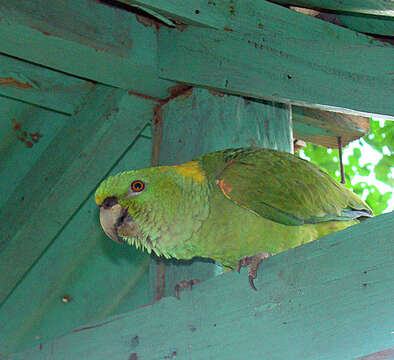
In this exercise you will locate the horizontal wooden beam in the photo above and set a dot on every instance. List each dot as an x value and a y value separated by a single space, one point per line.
324 127
316 68
330 299
85 38
40 86
82 152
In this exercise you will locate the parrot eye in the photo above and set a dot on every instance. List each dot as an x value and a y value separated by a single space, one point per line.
137 186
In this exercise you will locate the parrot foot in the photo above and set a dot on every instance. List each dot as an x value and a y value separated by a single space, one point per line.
184 284
253 262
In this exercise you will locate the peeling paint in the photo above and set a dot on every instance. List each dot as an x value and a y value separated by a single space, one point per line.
147 22
216 93
130 92
178 89
96 47
23 135
15 83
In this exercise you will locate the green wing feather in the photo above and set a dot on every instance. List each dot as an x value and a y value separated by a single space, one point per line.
282 187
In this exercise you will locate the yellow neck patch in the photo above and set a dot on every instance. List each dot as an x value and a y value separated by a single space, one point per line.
191 170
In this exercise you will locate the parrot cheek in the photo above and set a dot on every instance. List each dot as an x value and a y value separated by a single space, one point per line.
128 228
116 222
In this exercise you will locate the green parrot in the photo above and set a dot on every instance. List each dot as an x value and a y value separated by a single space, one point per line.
235 206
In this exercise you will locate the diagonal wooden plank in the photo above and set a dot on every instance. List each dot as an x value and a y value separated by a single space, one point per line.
368 24
26 131
41 86
329 300
100 43
210 13
321 65
101 277
64 176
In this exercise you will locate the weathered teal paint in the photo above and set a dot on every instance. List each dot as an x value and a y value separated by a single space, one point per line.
16 157
101 43
330 300
102 278
321 66
65 174
209 13
40 86
201 121
369 24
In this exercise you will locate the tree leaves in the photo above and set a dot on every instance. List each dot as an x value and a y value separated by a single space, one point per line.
381 139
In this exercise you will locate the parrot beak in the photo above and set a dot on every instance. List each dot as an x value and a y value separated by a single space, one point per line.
116 221
108 220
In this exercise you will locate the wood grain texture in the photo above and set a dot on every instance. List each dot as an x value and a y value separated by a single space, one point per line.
101 43
40 86
101 277
329 299
64 175
209 13
320 66
323 127
201 121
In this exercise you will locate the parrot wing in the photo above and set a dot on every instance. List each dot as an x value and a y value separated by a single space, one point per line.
285 188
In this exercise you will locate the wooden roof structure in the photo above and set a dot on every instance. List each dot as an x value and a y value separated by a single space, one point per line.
89 88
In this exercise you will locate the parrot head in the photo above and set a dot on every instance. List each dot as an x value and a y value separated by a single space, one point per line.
136 205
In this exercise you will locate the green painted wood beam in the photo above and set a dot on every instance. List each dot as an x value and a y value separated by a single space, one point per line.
322 66
201 121
82 152
210 12
100 277
19 148
198 12
85 38
329 299
368 24
375 7
41 86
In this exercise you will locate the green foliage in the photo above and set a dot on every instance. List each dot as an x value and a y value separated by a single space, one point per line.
381 139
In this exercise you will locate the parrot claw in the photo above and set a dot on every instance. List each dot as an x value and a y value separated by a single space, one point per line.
183 284
251 282
254 262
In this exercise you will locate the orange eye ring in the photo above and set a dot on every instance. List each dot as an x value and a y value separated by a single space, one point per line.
137 186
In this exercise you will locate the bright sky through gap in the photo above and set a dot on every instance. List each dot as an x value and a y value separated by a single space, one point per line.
369 155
